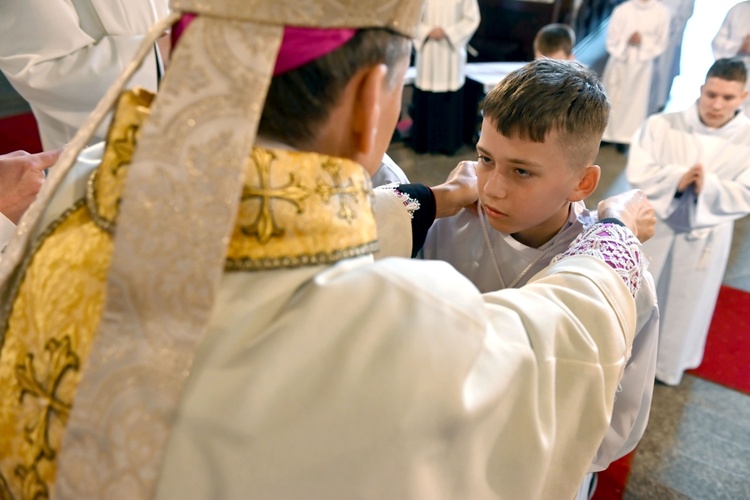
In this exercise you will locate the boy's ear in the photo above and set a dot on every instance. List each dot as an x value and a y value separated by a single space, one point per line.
587 184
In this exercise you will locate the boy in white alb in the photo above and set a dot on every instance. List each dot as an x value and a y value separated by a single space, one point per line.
540 136
694 166
555 41
638 33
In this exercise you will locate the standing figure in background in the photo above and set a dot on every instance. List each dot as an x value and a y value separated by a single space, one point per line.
555 41
444 31
62 56
637 35
733 39
667 65
694 166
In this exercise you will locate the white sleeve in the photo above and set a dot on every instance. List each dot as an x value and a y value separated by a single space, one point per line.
389 172
444 381
633 401
643 171
654 46
723 200
551 426
58 67
617 39
461 32
7 230
726 43
393 223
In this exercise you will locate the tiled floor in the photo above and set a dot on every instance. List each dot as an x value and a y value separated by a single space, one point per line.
697 444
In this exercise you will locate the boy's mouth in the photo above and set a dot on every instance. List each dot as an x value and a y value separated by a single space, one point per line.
495 214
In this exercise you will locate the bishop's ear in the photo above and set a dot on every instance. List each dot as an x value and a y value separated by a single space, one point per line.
368 103
587 183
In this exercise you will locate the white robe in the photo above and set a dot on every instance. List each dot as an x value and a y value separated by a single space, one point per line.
460 241
627 74
441 64
667 65
395 379
389 172
728 40
688 265
62 56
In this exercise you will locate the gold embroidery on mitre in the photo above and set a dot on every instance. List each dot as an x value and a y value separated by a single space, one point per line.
301 209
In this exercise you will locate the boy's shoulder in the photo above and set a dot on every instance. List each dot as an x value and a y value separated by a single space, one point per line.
463 227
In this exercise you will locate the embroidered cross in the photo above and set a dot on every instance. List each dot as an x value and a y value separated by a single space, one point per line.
61 359
264 227
346 194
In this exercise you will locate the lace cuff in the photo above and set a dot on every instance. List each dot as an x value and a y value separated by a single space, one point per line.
614 244
411 204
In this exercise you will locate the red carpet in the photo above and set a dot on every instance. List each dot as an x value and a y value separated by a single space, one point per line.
727 357
611 482
725 362
19 132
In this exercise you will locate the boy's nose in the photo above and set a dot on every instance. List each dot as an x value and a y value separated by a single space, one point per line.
496 187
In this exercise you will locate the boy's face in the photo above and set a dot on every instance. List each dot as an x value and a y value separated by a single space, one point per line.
719 100
524 186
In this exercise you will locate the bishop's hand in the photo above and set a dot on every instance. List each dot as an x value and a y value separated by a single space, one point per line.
458 191
633 209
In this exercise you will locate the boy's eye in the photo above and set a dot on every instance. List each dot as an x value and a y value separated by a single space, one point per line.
484 159
522 172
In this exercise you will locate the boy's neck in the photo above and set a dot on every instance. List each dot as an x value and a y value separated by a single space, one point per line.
538 235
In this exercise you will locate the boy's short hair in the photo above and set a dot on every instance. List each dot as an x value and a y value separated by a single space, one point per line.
731 69
301 99
553 38
547 95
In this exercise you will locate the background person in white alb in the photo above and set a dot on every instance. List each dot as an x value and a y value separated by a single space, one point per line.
62 56
637 34
694 166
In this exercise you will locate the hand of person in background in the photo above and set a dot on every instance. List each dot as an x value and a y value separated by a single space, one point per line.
693 176
437 33
21 178
635 39
633 209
